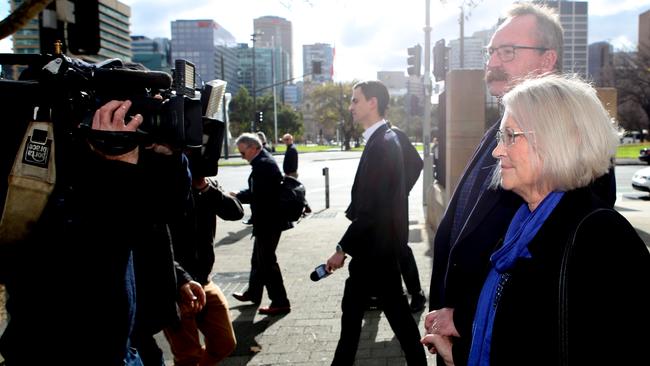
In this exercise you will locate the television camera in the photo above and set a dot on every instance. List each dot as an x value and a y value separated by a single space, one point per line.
67 92
50 109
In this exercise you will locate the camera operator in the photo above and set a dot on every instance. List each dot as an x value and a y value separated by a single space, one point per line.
71 283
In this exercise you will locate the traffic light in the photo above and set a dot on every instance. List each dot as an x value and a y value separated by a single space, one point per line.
83 34
261 117
440 60
414 60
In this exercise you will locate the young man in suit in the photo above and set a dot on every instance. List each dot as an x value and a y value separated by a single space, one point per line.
378 229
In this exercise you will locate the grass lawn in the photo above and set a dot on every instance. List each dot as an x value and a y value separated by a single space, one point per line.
630 151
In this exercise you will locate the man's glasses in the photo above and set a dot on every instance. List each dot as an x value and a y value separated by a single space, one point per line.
508 136
507 53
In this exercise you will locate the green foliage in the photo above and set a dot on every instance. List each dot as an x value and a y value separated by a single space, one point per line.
630 151
331 102
241 114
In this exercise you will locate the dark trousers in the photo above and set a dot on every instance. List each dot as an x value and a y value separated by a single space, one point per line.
394 304
409 270
265 271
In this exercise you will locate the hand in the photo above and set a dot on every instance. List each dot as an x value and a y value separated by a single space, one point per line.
336 261
440 345
192 297
441 322
111 117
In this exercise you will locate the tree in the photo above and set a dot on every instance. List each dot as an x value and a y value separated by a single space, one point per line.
241 110
288 119
633 84
331 102
20 16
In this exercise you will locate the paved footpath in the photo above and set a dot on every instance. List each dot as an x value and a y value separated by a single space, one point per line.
308 335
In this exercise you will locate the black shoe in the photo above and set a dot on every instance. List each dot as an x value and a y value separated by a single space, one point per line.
417 302
274 310
244 297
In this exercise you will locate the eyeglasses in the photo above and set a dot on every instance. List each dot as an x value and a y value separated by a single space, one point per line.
508 136
507 53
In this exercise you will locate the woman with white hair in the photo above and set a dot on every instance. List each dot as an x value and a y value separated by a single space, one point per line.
568 282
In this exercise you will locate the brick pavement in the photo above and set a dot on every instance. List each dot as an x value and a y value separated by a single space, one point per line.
309 334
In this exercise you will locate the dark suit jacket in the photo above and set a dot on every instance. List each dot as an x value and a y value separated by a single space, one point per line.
608 281
263 194
378 208
290 163
412 161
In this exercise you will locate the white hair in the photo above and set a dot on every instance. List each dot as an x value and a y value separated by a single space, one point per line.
572 136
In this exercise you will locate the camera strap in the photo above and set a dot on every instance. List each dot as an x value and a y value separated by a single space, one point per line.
31 182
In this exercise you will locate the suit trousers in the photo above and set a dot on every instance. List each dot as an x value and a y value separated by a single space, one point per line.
410 272
265 271
216 325
395 306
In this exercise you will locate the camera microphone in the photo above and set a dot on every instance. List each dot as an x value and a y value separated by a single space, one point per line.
132 78
319 273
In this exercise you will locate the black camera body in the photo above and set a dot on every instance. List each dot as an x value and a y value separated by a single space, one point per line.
68 91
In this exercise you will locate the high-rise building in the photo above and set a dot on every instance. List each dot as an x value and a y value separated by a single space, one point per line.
114 33
155 54
601 64
265 75
276 32
472 52
395 82
644 34
321 53
574 19
204 43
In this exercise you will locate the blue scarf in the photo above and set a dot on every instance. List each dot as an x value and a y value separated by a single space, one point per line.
522 230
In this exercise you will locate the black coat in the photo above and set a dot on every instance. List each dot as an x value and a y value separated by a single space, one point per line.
263 194
608 277
290 163
378 208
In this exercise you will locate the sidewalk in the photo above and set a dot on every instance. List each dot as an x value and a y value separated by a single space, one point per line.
309 334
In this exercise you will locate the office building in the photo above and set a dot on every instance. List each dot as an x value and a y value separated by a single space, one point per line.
114 32
644 34
205 43
265 74
601 64
321 54
395 82
276 32
472 52
154 54
574 19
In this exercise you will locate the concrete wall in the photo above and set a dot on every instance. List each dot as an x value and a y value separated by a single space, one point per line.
465 126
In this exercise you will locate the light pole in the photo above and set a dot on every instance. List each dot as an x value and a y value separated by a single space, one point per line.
254 38
426 121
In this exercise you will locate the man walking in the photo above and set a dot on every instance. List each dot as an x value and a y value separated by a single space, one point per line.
263 194
378 228
290 163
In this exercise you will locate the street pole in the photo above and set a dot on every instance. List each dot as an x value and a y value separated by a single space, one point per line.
254 87
426 121
275 109
223 110
462 36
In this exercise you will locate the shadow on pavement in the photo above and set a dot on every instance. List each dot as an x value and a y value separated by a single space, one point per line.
246 330
234 237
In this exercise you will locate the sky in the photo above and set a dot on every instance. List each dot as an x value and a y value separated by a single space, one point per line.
368 35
